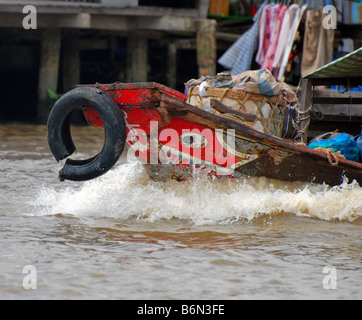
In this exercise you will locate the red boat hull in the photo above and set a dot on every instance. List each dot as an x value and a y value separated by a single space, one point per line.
175 139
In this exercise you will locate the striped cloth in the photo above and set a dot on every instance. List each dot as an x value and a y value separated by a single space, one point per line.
349 66
239 56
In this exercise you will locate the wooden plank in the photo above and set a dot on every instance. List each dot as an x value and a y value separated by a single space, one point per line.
97 9
162 19
226 36
80 20
222 108
165 23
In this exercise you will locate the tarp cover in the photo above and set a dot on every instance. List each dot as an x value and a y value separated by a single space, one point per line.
348 66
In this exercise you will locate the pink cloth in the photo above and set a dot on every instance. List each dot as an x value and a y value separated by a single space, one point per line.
278 21
290 18
264 35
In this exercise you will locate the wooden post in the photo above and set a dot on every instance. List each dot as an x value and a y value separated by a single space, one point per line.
71 59
137 57
172 65
49 70
206 47
304 111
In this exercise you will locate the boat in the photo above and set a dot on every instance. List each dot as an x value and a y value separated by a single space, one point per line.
175 139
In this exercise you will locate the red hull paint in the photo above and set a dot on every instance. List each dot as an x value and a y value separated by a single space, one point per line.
153 111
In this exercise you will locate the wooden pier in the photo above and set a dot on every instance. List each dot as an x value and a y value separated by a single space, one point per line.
88 41
60 24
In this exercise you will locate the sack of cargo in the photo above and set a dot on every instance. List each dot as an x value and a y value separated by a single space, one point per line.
252 92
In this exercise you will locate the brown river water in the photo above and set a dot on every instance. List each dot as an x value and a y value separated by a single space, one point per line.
124 236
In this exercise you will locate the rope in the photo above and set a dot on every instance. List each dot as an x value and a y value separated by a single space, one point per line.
224 94
298 119
333 157
333 162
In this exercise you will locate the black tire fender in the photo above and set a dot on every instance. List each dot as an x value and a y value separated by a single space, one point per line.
60 139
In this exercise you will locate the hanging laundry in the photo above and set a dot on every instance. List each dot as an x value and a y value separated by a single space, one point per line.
292 72
239 56
278 26
291 37
278 13
264 35
318 42
290 17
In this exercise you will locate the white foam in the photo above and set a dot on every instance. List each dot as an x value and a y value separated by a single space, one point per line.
126 191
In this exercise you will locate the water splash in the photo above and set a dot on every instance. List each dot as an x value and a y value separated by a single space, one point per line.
126 192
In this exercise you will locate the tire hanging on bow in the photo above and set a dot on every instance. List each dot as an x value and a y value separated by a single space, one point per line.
60 139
